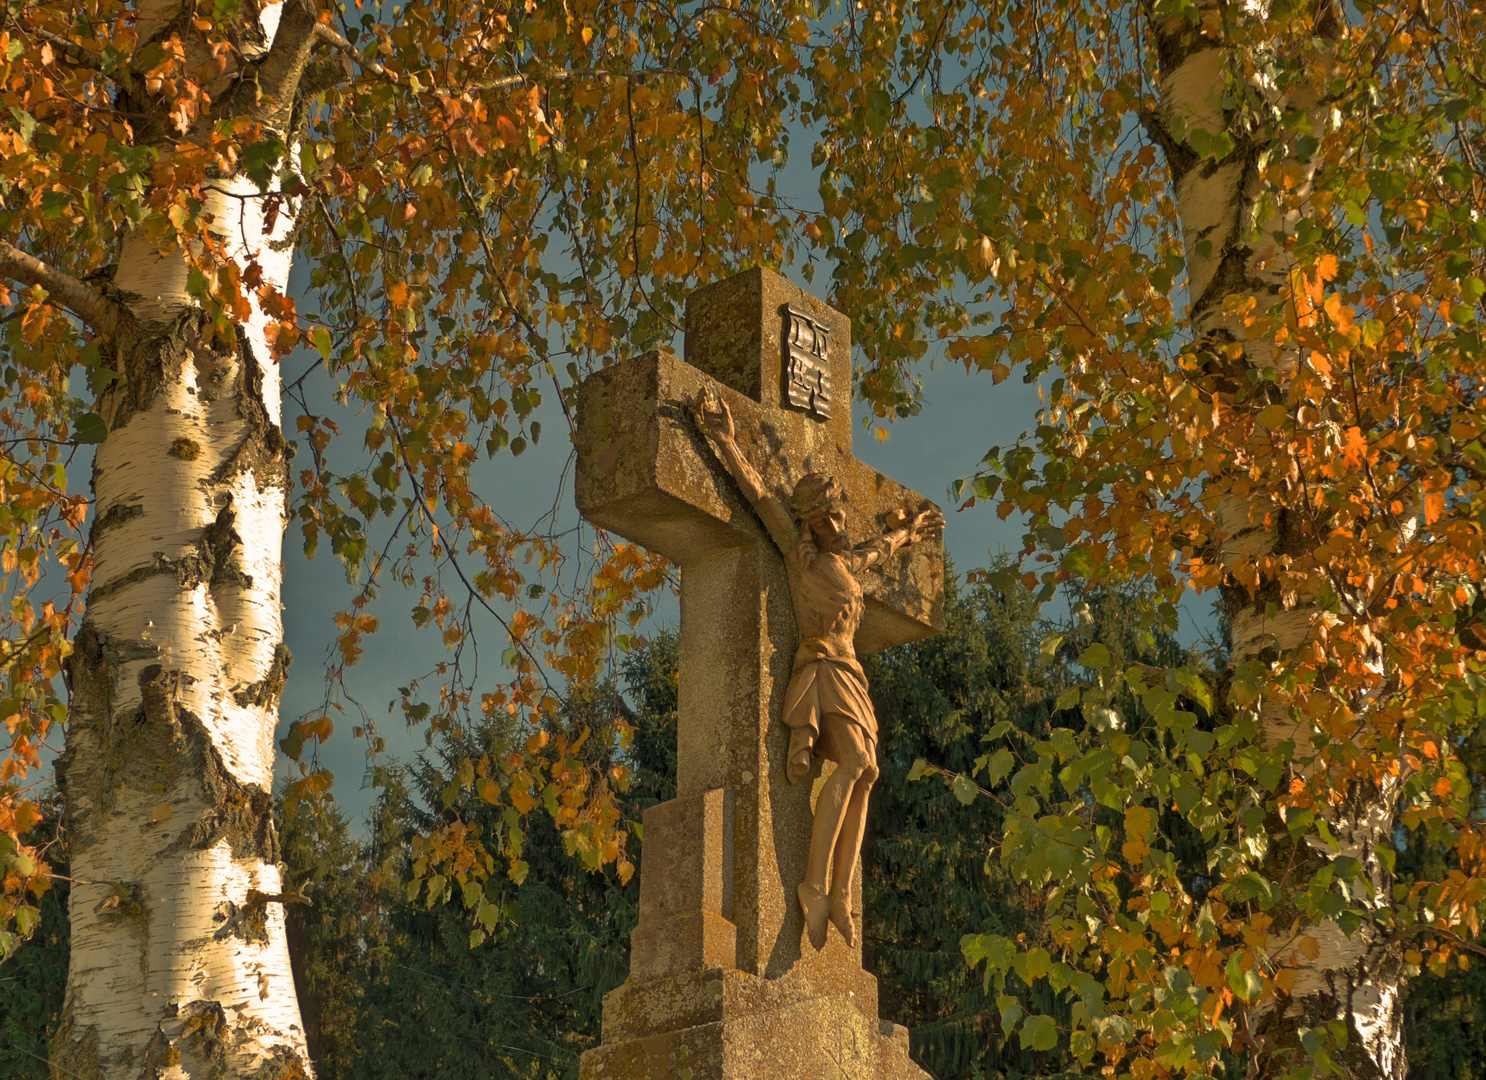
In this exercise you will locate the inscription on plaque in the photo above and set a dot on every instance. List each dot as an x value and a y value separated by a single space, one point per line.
807 364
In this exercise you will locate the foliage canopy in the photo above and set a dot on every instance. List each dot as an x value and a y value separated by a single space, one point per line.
496 198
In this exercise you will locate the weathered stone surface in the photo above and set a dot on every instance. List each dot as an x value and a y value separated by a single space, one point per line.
730 1024
735 330
729 851
686 889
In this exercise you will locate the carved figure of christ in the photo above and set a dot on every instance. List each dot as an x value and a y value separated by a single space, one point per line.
826 706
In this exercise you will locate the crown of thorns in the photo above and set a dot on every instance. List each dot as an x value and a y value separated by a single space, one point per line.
816 494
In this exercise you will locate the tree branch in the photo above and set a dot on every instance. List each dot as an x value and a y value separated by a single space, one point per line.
279 71
326 33
104 315
74 52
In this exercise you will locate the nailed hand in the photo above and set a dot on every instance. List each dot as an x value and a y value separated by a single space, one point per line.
712 414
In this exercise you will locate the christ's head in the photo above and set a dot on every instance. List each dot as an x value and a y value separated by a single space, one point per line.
819 504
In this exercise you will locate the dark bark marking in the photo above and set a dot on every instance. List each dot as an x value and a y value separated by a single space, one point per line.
262 451
215 561
267 690
1180 160
117 514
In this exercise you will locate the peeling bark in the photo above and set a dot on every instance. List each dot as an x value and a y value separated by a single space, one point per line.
180 964
175 678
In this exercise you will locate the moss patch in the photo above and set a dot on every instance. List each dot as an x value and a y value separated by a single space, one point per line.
185 449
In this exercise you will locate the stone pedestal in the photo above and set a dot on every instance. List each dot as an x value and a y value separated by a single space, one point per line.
687 1012
719 1023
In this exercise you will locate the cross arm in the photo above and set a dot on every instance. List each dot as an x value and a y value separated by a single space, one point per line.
643 469
716 421
646 473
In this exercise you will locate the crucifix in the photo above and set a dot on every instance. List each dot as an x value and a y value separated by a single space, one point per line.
696 459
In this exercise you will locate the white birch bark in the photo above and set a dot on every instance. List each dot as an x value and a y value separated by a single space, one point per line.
180 963
1232 256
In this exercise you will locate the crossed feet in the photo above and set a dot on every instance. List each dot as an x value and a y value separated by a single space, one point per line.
820 909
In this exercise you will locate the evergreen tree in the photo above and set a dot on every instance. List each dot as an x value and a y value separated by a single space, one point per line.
525 1002
33 980
327 933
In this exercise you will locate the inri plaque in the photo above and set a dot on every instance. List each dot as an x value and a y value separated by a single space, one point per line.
807 366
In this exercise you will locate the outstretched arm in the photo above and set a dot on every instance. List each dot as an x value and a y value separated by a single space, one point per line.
715 419
899 530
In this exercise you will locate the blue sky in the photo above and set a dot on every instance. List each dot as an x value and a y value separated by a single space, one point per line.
963 414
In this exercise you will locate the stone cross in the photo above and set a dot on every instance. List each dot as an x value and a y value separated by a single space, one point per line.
721 861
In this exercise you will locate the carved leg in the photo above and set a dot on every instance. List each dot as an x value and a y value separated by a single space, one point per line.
847 851
830 810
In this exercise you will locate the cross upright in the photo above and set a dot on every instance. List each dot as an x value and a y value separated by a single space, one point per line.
720 863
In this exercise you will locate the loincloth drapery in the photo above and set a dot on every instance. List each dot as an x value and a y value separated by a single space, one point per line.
827 705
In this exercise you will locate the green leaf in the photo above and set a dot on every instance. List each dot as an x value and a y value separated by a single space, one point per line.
477 937
1096 656
24 120
1081 1045
1455 175
260 160
1386 185
999 765
1036 963
1039 1033
1194 687
1215 145
90 428
320 339
965 789
26 919
920 766
997 952
1243 982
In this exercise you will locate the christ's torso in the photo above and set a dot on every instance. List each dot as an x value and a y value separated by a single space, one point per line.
828 600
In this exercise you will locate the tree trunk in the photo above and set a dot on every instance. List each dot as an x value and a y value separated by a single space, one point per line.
1357 980
180 965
